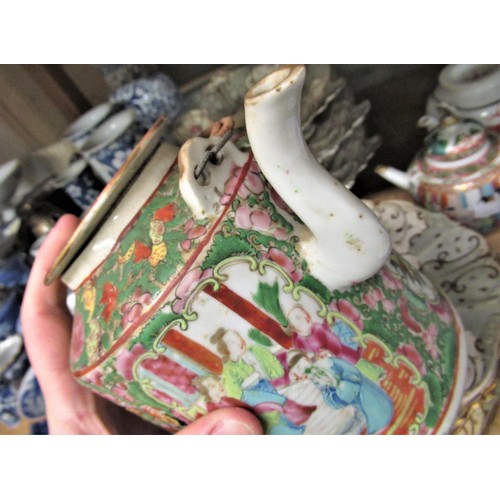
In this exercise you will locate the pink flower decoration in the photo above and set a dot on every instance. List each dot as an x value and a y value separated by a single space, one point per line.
348 310
408 319
280 258
373 297
376 296
388 305
430 336
390 281
410 352
192 233
443 311
256 219
94 377
260 219
187 285
132 309
243 217
252 183
280 234
126 358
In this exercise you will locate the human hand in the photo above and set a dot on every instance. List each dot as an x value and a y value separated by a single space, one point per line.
70 407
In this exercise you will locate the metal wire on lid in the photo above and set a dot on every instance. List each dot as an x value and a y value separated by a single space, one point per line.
224 129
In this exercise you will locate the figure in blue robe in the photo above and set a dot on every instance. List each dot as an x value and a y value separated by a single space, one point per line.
350 387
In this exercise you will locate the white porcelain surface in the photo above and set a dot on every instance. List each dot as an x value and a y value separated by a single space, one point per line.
347 244
10 226
9 349
488 116
108 131
468 91
9 179
469 85
202 198
87 121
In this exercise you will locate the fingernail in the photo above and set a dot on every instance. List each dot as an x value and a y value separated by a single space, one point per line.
235 427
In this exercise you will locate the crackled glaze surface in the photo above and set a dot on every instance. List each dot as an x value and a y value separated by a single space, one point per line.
225 312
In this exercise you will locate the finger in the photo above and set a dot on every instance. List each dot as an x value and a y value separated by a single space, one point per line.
46 322
50 296
225 421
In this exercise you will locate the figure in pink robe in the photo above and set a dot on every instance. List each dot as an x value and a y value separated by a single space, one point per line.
321 339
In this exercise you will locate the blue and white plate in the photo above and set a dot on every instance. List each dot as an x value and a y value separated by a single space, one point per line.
14 271
16 370
30 400
39 428
9 414
106 162
84 188
10 307
10 348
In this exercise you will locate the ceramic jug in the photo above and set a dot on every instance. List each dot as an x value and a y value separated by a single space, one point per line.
207 277
456 172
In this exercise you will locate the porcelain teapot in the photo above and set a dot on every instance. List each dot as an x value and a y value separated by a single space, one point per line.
206 277
456 172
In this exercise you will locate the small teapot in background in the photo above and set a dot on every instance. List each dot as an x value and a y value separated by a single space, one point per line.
457 172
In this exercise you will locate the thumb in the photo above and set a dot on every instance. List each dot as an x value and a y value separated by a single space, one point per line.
225 421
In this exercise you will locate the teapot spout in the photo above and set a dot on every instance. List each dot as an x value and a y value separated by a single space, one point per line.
395 176
344 242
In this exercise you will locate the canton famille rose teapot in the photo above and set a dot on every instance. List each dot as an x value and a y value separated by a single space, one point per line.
456 172
256 280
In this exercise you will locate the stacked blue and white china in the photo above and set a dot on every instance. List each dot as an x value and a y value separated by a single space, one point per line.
67 176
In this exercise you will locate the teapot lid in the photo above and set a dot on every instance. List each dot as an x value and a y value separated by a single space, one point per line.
455 143
109 195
